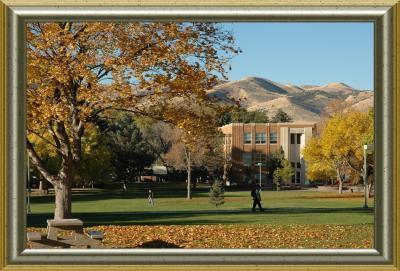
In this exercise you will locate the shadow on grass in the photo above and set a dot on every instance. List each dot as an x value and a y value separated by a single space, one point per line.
158 244
186 217
117 194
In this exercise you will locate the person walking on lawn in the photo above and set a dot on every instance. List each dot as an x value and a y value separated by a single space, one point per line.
255 193
151 197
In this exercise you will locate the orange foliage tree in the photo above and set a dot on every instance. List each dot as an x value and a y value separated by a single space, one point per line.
79 71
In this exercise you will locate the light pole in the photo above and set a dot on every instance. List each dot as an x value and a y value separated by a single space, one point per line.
260 164
365 169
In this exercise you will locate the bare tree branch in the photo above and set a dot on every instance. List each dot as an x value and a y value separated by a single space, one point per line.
38 163
53 134
77 133
63 137
57 148
352 167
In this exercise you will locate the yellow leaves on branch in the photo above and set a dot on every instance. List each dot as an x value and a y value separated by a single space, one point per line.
86 67
341 141
42 147
345 133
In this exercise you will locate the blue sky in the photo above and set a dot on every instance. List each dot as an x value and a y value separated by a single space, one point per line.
305 53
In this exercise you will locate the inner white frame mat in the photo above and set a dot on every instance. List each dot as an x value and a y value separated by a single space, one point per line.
16 132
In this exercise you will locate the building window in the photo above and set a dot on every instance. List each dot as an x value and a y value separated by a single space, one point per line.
273 139
298 165
261 138
260 158
298 177
246 159
295 138
292 164
247 138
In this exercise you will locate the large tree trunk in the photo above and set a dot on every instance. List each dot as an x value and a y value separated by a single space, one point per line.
62 182
63 188
62 185
63 193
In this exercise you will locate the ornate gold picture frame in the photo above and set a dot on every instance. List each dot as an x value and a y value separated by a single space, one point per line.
14 256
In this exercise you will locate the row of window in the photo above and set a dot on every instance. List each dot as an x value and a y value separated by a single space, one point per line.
298 165
261 138
256 176
295 138
250 159
259 157
296 178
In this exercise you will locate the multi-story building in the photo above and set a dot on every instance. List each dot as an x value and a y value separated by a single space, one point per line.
247 146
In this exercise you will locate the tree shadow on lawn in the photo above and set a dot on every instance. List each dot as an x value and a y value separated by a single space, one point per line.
158 243
184 217
130 195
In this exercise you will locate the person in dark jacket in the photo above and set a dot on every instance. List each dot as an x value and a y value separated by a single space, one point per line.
255 193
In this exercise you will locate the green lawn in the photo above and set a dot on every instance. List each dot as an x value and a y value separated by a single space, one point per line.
171 207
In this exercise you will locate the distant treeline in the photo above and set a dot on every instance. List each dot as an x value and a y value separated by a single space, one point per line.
258 116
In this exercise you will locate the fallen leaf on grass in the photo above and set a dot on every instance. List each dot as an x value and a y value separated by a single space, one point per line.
235 236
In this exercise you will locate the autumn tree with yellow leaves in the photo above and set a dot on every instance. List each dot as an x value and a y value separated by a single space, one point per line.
79 71
339 147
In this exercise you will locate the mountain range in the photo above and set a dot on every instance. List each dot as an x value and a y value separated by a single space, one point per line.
305 103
